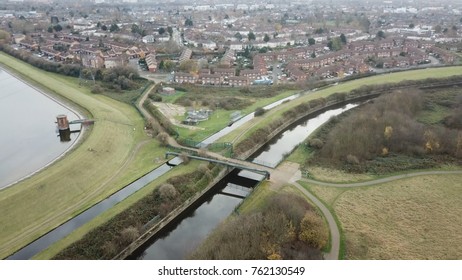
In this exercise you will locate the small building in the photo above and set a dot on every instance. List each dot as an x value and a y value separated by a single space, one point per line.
194 117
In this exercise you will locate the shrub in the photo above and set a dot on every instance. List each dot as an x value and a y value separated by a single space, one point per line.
315 143
163 138
259 111
351 159
184 158
168 192
97 89
312 231
155 97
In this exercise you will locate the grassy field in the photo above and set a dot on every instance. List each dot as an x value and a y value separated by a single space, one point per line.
414 218
106 161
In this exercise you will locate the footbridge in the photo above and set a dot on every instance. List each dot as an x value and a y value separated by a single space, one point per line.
244 165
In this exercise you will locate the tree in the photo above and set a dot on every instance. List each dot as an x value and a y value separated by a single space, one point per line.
189 66
311 41
135 28
161 31
438 29
226 16
114 28
238 36
170 31
104 28
161 65
266 38
188 22
411 25
335 44
57 27
343 39
50 29
4 37
381 35
169 65
251 36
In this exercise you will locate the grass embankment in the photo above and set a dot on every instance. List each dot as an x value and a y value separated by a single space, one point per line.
250 127
107 160
413 218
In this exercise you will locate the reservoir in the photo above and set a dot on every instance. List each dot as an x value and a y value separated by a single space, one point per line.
29 140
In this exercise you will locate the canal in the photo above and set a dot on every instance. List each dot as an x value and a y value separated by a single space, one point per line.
29 140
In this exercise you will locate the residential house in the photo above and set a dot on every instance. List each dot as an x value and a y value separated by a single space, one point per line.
225 72
151 62
111 62
185 55
182 77
252 74
238 81
211 79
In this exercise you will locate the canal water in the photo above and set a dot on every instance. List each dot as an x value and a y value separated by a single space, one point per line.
280 146
29 140
183 236
180 238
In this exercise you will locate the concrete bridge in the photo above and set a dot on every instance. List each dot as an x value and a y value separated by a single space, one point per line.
240 164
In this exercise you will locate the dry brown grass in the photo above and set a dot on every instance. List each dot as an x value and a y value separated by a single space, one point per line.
416 218
336 176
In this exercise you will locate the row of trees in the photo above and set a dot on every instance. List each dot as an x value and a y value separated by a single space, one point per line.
67 69
122 78
287 228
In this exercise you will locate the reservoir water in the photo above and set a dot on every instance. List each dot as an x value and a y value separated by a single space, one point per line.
28 137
